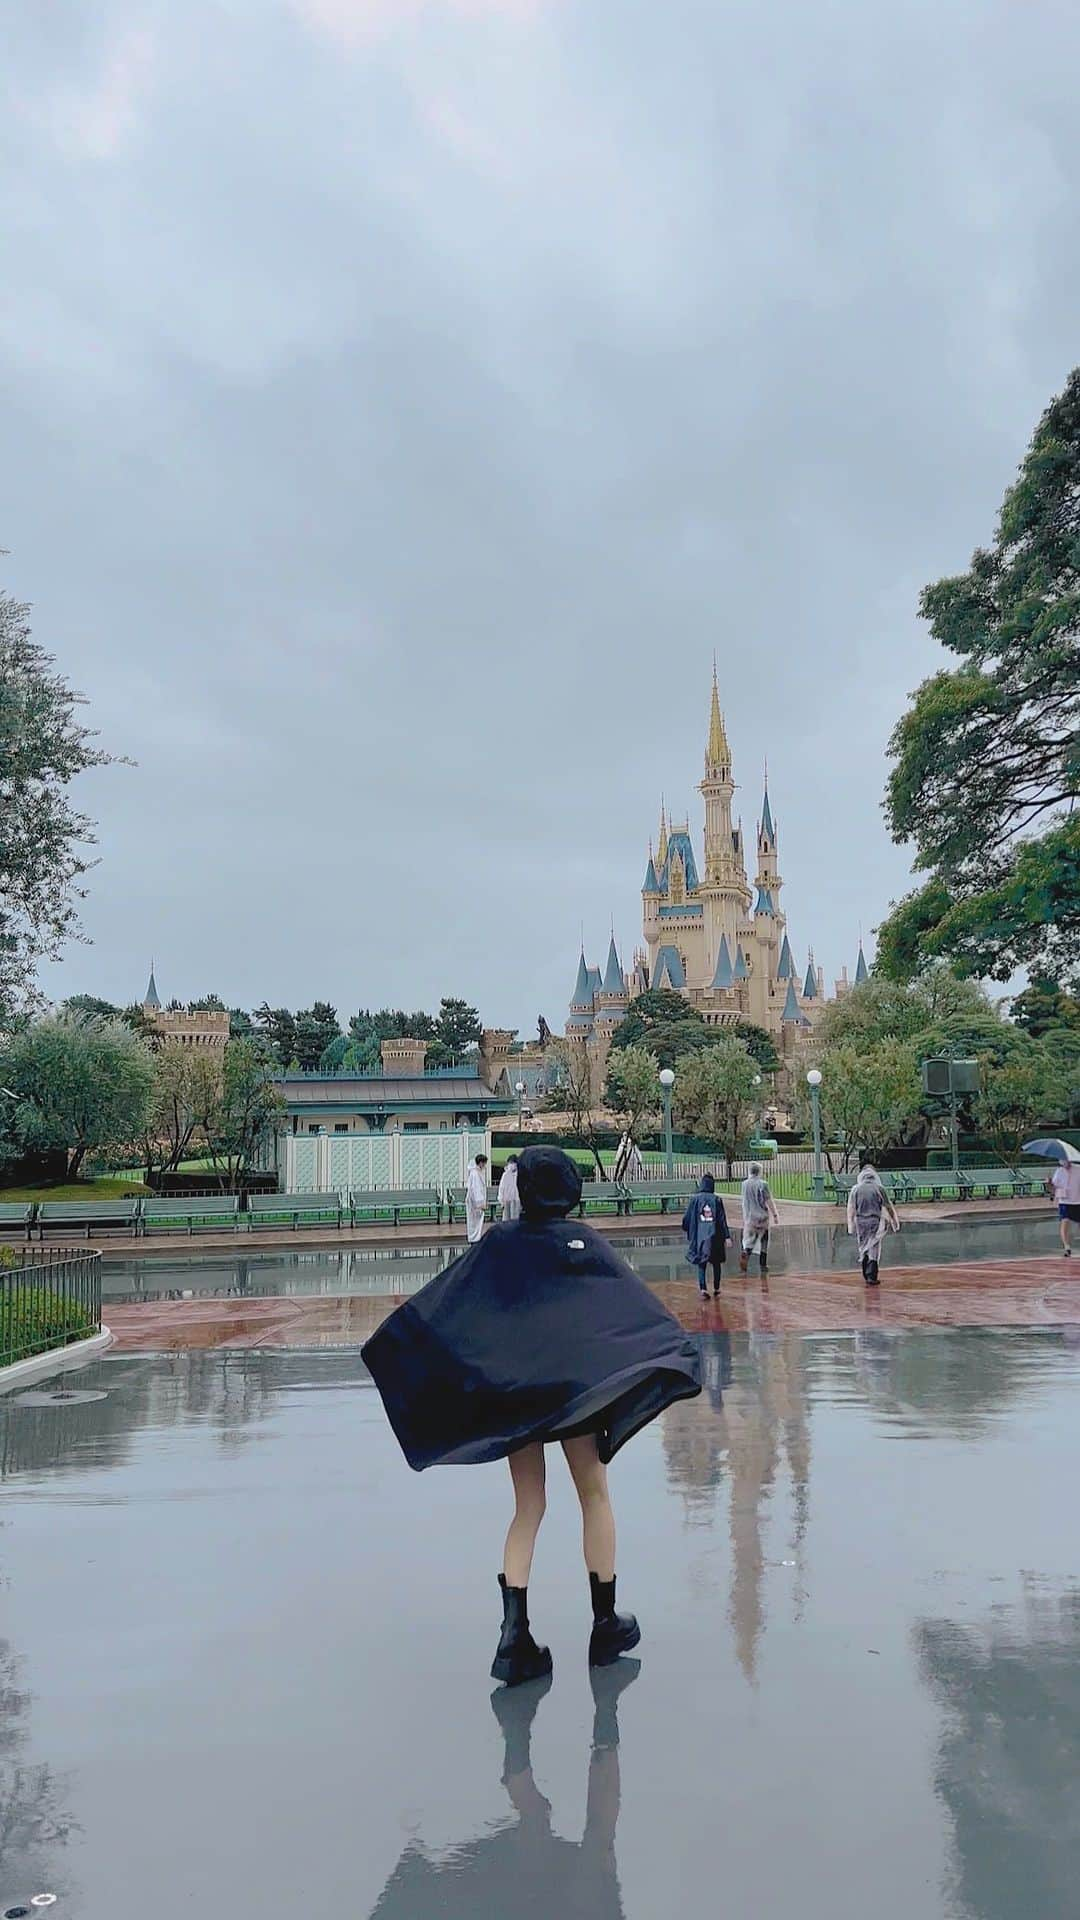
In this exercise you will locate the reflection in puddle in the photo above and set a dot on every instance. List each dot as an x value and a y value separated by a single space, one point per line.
522 1867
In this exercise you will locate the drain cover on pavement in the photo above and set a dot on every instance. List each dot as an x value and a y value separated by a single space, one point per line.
57 1397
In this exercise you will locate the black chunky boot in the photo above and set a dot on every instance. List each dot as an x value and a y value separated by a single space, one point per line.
873 1278
613 1633
517 1656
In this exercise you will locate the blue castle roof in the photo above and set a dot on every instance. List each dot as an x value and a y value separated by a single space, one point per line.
766 816
651 883
791 1005
741 969
725 972
680 842
862 971
786 969
613 976
669 970
810 983
764 901
582 989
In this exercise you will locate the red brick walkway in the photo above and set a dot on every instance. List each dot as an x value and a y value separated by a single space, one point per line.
982 1293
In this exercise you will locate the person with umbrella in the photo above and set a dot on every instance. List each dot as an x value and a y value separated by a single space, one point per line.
1063 1185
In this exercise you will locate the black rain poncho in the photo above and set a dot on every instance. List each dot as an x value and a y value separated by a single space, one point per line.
537 1332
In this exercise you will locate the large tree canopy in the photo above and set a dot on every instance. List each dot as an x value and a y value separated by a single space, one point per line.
43 840
988 757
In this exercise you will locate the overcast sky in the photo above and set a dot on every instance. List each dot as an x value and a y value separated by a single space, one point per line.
402 399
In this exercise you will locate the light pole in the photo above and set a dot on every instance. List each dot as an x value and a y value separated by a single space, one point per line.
667 1081
813 1081
519 1089
759 1128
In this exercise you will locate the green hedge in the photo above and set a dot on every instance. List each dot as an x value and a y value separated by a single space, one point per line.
33 1321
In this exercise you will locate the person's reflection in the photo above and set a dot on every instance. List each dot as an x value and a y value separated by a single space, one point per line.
523 1867
716 1370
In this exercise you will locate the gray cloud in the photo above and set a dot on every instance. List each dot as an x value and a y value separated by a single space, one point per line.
402 404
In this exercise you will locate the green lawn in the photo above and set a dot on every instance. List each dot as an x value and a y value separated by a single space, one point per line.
109 1187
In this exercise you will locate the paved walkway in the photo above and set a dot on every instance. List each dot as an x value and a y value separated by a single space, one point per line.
983 1293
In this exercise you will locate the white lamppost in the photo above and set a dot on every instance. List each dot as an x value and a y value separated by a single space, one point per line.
519 1089
758 1128
813 1081
667 1081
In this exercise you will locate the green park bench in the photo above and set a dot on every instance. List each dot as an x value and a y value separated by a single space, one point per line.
17 1213
395 1204
1004 1182
294 1210
652 1196
93 1215
192 1213
603 1196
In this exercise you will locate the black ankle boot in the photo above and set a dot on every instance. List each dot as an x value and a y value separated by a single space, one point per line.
873 1278
613 1633
517 1656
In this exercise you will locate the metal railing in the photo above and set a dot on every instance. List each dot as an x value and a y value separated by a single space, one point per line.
53 1299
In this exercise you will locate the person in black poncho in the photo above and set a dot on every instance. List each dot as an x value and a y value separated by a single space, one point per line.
538 1333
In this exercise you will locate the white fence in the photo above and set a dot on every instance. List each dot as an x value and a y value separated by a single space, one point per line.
334 1162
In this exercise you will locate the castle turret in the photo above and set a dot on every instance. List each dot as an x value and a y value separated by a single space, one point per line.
613 999
724 892
150 997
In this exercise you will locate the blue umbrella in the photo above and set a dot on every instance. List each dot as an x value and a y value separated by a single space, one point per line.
1051 1150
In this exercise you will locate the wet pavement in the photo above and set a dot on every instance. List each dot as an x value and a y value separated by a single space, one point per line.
244 1654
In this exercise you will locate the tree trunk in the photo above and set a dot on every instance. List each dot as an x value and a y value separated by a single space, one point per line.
78 1155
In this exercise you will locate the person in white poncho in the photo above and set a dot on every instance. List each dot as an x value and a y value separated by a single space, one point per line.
509 1203
870 1216
476 1198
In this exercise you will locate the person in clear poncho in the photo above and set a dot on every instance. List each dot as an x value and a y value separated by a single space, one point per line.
870 1216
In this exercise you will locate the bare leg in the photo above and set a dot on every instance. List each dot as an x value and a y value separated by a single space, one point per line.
597 1520
528 1475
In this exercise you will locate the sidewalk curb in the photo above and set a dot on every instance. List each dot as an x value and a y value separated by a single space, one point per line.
42 1366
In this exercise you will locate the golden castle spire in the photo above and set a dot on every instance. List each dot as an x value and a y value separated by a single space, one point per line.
661 850
719 753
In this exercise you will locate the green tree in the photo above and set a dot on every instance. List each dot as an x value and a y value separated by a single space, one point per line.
1043 1006
871 1097
185 1081
87 1006
239 1110
987 760
82 1085
580 1095
886 1009
632 1093
715 1094
457 1028
44 841
241 1024
276 1027
210 1003
759 1045
313 1030
1016 1096
664 1024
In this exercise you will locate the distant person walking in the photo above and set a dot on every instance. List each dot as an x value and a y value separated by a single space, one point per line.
509 1204
870 1216
758 1213
476 1198
629 1164
708 1235
1065 1187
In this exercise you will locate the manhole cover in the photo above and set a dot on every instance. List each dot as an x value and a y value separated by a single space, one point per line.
57 1397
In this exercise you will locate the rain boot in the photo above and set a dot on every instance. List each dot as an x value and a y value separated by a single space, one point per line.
613 1633
865 1264
517 1656
872 1279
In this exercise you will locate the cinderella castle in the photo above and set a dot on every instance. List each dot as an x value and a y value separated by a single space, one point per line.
709 934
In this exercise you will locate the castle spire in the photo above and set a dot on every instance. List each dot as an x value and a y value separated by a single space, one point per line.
150 998
719 753
768 831
862 971
661 848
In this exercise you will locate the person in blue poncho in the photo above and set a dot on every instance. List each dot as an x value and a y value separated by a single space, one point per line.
539 1333
707 1234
